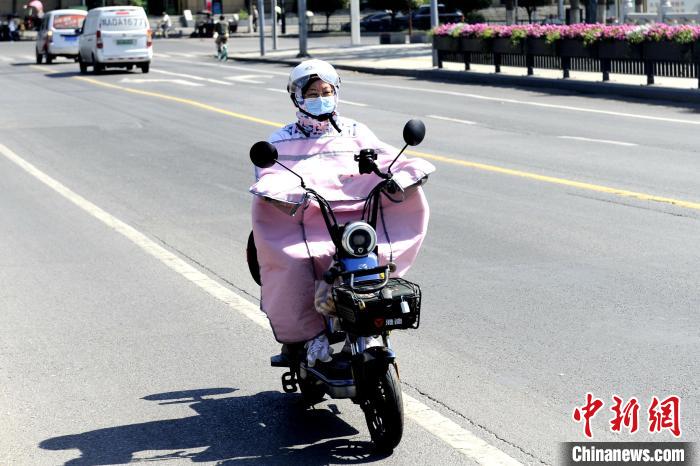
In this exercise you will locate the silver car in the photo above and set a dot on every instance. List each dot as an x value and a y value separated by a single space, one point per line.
57 36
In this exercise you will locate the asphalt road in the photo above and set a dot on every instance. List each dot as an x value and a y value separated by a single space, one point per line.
561 259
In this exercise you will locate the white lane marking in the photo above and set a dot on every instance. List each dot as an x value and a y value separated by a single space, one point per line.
602 141
196 78
455 436
160 55
450 432
29 57
455 120
357 104
533 104
6 59
229 67
181 82
180 54
250 78
203 281
275 89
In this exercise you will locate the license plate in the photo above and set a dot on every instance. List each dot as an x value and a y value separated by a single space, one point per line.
125 41
70 38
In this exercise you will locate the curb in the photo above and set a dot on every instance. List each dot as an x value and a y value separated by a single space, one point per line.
641 92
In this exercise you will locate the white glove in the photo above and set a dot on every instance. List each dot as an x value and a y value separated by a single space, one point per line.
318 349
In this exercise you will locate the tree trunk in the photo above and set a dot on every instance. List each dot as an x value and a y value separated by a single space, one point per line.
574 11
410 21
602 10
509 11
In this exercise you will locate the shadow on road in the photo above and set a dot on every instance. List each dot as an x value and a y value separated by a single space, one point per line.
269 428
70 74
63 74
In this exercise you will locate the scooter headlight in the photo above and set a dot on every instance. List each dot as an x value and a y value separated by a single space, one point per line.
359 239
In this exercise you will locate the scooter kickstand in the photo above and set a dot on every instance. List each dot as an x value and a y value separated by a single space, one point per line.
289 382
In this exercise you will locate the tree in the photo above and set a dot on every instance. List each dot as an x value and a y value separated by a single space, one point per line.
531 5
467 5
396 6
327 7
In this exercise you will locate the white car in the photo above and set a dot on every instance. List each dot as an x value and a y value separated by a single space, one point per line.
116 36
57 36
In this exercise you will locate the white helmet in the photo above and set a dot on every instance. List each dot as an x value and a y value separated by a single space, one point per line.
302 74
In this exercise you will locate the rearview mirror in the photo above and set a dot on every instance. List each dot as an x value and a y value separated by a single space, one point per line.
263 154
414 132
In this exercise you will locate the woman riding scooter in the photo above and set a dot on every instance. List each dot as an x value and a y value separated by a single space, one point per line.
293 246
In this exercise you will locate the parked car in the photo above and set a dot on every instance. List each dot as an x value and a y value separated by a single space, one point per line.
378 22
421 17
204 24
232 23
115 36
57 36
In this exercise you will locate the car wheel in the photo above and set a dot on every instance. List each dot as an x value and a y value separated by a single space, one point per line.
39 58
83 66
97 68
129 67
145 67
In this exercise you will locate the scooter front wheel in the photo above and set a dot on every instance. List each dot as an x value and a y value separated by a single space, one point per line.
384 411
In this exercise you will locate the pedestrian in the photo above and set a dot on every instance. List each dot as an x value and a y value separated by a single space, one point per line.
293 247
165 24
255 18
12 28
221 37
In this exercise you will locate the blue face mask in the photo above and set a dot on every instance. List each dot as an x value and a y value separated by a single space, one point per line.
320 105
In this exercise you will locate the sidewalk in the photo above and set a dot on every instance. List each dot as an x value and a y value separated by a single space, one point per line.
415 60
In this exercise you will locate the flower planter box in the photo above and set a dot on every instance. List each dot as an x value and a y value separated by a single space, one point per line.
619 50
575 48
539 46
392 38
696 52
468 44
504 45
446 43
419 38
667 51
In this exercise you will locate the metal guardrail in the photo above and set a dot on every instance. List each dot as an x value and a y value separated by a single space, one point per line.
647 68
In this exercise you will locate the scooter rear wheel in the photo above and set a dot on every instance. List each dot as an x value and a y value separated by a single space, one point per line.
384 411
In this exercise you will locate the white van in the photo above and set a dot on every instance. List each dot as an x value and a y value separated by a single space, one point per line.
57 36
116 36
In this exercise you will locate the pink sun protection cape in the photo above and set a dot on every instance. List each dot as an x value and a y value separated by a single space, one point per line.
293 244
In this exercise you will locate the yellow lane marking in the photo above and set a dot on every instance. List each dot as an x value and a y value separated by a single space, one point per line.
43 69
439 158
560 181
193 103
